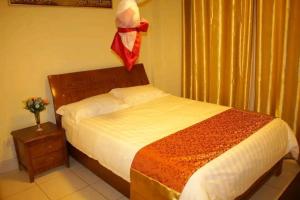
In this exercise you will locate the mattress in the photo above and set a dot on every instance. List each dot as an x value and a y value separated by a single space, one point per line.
114 139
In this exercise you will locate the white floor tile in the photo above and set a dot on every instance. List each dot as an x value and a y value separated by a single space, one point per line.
291 166
62 185
123 198
106 190
73 162
266 193
282 181
34 193
14 182
84 173
85 194
53 173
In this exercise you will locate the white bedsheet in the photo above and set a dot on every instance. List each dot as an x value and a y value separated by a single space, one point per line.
115 138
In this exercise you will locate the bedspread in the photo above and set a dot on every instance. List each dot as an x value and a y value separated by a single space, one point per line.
114 139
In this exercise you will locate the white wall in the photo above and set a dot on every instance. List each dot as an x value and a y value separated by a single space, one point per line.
36 41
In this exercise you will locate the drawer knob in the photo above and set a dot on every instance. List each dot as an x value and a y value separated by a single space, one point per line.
50 147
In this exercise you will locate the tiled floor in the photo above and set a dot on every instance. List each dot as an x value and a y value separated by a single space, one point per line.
78 183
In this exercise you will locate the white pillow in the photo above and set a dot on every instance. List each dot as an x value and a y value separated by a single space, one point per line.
92 106
137 94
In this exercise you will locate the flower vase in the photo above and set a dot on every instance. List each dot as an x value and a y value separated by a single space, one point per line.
38 121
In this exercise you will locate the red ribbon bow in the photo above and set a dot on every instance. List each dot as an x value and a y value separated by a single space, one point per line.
129 57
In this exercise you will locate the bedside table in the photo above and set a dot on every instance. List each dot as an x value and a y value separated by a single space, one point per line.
38 151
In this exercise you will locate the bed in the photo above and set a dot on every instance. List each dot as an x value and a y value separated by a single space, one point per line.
72 87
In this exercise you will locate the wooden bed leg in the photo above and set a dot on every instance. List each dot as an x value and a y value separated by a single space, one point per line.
279 168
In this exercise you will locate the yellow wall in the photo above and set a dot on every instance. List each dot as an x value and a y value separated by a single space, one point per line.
167 33
36 41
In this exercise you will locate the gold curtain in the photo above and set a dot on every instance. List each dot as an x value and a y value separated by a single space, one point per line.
217 51
277 60
233 46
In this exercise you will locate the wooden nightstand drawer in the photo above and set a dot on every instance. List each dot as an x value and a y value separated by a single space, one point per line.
38 151
44 147
48 161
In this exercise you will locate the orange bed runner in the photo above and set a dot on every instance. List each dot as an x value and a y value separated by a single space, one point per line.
172 160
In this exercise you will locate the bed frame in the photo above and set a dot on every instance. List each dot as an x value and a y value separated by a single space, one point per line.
72 87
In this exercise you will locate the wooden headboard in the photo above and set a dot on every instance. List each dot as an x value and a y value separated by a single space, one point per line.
72 87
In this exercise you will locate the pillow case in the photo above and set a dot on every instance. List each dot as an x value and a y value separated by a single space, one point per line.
137 94
92 106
